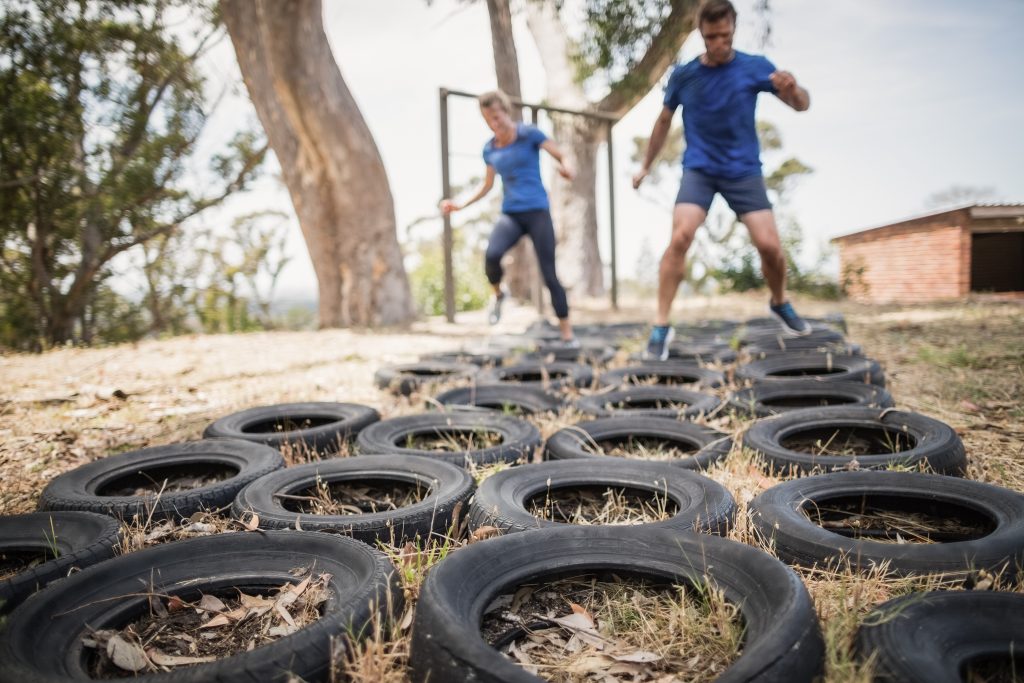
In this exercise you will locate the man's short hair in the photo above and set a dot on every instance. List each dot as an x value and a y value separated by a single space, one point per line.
495 97
715 10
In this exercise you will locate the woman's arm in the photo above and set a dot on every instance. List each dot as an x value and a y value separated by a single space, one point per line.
448 206
564 169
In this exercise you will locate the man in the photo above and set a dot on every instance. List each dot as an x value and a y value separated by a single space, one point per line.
718 92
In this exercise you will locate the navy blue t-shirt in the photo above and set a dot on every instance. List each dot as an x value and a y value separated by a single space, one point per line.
718 113
518 164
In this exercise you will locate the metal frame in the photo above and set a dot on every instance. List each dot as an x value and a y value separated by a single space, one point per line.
532 108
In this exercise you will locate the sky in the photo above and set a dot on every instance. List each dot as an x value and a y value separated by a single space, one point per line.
908 97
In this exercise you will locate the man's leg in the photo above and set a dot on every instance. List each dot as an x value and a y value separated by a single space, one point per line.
686 218
765 236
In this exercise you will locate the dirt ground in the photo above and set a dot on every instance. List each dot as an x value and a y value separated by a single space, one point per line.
961 363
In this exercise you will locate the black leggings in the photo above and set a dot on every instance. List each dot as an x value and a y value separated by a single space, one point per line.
509 229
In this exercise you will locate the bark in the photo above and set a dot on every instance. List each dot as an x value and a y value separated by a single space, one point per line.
521 272
330 163
574 205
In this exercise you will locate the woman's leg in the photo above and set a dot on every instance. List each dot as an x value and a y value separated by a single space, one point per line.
507 231
542 233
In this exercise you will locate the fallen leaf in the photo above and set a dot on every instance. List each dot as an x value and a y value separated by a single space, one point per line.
254 522
163 659
484 533
281 631
406 621
583 628
174 603
640 656
126 655
969 406
589 664
219 620
211 603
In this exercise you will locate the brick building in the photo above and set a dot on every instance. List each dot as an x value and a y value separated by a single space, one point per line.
946 254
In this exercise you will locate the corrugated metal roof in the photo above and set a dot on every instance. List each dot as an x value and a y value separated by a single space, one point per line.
977 210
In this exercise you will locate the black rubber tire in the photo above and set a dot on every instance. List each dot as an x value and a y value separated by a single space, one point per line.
693 353
503 397
82 487
560 375
42 639
672 374
774 398
772 334
406 378
777 515
782 639
588 353
446 486
702 504
570 442
827 367
599 405
935 443
519 438
334 424
478 358
81 539
932 637
799 344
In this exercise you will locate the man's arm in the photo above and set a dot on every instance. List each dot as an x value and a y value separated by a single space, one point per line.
787 90
654 144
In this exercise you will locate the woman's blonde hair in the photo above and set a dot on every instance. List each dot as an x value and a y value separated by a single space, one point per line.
495 97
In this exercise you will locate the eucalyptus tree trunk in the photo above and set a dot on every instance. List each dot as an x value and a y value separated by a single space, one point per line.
330 163
521 272
574 205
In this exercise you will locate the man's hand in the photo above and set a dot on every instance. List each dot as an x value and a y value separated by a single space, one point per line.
566 171
639 178
447 207
783 82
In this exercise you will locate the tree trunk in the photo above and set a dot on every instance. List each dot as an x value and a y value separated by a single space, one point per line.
328 157
573 204
521 272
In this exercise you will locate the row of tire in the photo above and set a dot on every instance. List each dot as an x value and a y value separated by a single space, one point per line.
501 501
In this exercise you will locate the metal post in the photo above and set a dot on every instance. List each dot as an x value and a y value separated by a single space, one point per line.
446 190
611 221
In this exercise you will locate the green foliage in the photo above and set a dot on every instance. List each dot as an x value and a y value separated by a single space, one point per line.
103 107
616 35
426 279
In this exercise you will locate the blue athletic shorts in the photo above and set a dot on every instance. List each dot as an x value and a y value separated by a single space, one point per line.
742 194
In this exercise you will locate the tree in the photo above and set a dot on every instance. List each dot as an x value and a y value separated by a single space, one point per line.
103 107
328 158
628 43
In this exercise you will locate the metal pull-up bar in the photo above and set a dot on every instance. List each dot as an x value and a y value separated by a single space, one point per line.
446 188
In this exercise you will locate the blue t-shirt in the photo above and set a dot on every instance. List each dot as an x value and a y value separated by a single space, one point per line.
718 113
518 164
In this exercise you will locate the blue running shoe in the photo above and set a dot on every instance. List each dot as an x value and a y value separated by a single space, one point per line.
792 324
657 343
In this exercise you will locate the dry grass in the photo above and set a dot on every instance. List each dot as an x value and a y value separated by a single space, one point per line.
596 505
963 365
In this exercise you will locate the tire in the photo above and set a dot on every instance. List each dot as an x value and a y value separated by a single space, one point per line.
778 516
42 639
774 398
588 353
933 442
447 486
827 367
329 425
519 438
933 637
782 639
773 334
798 345
560 375
664 373
81 539
404 379
702 505
85 488
644 401
692 353
571 442
504 397
478 358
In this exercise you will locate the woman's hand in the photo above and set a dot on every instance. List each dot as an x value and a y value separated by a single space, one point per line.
448 207
566 171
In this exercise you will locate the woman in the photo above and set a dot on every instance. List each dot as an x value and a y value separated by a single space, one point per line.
514 154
